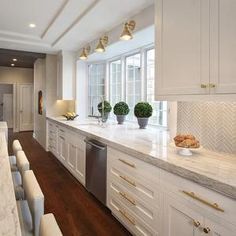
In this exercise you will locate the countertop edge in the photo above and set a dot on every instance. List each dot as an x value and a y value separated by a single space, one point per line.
210 183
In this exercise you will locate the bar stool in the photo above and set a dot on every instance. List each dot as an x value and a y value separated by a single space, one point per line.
31 210
16 146
49 226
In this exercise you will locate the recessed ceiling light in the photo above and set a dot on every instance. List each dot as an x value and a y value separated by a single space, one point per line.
14 59
12 64
32 25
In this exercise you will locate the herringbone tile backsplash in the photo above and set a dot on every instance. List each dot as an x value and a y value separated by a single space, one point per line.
213 123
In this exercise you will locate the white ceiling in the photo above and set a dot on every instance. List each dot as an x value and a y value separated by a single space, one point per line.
61 24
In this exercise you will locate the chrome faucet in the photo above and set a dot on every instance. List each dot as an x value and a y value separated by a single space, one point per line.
102 116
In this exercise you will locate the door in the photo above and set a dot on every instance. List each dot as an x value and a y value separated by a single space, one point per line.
215 229
62 148
26 107
182 47
8 109
223 47
180 219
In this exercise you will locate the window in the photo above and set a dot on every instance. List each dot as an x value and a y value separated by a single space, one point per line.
96 86
159 116
131 79
115 82
133 82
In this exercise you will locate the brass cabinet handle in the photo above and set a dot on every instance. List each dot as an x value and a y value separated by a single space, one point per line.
212 85
127 163
206 230
129 199
132 221
128 180
196 223
194 196
204 85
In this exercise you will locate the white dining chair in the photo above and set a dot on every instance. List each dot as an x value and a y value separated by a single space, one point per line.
16 146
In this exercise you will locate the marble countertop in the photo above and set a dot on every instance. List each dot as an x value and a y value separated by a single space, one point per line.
9 220
216 171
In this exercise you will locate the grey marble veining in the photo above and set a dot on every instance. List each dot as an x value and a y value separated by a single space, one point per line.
216 171
9 220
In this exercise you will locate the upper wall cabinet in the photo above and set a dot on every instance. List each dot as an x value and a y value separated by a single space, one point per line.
66 67
196 49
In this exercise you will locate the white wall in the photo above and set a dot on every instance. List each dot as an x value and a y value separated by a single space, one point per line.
82 89
45 77
40 84
4 89
16 76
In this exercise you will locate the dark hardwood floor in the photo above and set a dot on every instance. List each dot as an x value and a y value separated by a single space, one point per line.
77 212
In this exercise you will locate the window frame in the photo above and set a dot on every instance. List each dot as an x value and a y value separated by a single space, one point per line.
143 67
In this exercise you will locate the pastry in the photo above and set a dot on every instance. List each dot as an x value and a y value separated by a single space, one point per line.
186 141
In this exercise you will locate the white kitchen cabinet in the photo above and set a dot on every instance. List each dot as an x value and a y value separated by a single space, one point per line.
223 46
66 71
195 48
180 219
62 147
182 46
76 156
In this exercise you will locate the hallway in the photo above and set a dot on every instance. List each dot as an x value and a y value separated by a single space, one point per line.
76 211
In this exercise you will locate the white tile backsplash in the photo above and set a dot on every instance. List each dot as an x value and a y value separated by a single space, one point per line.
213 123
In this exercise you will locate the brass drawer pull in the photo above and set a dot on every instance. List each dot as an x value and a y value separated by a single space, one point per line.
212 85
204 85
127 163
132 221
194 196
196 223
127 198
128 180
206 230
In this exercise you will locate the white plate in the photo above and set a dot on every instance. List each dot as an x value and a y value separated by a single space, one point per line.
185 151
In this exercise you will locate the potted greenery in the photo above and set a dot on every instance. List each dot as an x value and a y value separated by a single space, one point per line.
104 108
121 109
143 110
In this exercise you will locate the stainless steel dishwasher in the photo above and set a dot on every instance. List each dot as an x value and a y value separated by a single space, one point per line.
96 169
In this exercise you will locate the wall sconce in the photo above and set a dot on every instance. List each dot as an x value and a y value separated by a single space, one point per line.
103 41
84 54
127 31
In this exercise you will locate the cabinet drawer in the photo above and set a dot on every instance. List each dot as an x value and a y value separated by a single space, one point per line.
211 202
130 220
133 166
140 187
145 211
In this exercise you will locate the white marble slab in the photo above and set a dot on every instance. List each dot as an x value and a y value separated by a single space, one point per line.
9 220
216 171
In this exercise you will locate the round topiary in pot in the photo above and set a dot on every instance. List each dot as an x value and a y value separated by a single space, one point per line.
121 109
104 108
143 110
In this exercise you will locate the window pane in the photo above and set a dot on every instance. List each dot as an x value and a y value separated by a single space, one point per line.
159 116
133 82
96 78
115 82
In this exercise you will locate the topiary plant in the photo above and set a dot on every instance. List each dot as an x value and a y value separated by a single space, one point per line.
107 107
121 108
143 110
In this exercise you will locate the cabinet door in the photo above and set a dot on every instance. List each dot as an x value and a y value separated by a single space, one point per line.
216 229
223 46
180 219
72 155
182 47
63 149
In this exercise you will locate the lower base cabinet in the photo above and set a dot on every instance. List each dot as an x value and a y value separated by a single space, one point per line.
69 148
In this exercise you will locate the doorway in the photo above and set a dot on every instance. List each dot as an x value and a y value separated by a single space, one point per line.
6 104
26 107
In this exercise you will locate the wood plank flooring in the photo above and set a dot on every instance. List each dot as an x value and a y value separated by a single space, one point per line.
77 212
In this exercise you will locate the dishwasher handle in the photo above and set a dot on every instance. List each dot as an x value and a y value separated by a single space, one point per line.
94 144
